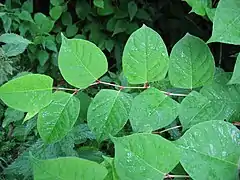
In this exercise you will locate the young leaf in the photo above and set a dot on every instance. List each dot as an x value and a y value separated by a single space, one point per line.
7 22
11 115
210 150
108 113
56 12
196 108
191 63
71 30
56 2
98 3
107 10
82 9
28 93
226 23
132 9
81 62
152 110
26 16
199 6
11 38
145 57
58 118
144 156
236 73
28 6
68 168
66 18
42 56
43 23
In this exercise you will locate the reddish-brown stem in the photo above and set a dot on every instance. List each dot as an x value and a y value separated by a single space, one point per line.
165 130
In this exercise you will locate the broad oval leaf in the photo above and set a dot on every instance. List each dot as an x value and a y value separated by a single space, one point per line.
236 73
211 150
144 156
58 118
145 57
196 108
81 62
132 9
226 23
108 112
28 93
152 110
71 168
191 63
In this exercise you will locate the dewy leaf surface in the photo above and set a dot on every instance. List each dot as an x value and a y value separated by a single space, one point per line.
152 110
191 63
81 62
236 73
226 23
196 108
144 156
211 150
220 92
67 168
145 57
58 118
28 93
199 6
108 112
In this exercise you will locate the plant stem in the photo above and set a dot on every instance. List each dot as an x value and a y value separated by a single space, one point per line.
165 130
146 86
176 176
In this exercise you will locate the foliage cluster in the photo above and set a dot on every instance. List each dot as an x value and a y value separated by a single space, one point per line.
117 132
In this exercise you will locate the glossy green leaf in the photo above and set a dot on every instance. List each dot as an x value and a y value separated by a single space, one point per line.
196 108
71 168
71 30
7 22
199 6
145 57
43 23
132 9
236 73
56 12
152 110
26 16
81 62
11 38
107 10
35 89
56 2
211 13
108 112
191 63
29 115
226 23
28 6
58 118
98 3
211 150
144 156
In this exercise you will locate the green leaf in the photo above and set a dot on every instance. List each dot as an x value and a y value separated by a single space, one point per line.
28 6
26 16
56 12
199 6
109 164
85 102
98 3
211 13
108 113
58 118
191 63
7 22
82 9
50 44
35 89
226 23
210 150
196 108
81 62
11 38
2 14
71 30
11 115
145 57
68 168
29 115
132 9
120 26
144 156
152 110
56 2
107 10
66 18
109 44
14 49
42 56
236 73
43 23
227 95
